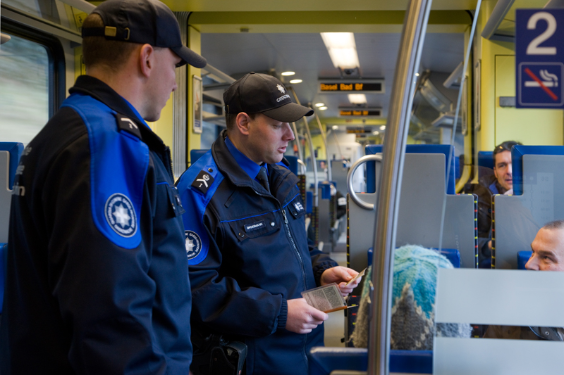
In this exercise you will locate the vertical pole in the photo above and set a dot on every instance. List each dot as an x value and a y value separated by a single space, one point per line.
413 35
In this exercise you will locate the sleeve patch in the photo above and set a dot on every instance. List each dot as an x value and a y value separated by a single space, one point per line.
202 182
126 124
193 244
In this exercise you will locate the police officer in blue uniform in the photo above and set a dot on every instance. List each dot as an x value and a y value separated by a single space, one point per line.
97 278
245 235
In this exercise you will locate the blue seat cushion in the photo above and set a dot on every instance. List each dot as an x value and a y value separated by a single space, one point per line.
325 360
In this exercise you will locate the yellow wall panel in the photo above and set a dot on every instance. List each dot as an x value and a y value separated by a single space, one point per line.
195 44
529 126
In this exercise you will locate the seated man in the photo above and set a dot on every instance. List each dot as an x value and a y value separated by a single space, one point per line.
501 182
245 232
548 255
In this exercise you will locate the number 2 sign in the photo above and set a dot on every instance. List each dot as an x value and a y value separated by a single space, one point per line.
539 58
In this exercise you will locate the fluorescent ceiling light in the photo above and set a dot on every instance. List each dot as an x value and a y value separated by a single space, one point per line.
319 104
323 108
383 127
357 98
288 73
375 132
335 127
296 81
342 49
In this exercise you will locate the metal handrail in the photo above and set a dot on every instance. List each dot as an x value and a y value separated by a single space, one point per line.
297 140
359 202
401 101
312 153
324 137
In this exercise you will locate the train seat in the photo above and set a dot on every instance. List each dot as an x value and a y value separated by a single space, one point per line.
485 163
3 254
293 161
517 154
538 175
10 153
196 154
326 360
447 150
423 195
309 202
523 258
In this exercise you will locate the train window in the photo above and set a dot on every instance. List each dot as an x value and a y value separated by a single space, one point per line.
24 89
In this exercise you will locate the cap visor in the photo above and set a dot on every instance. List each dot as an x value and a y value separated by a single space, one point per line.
190 57
290 112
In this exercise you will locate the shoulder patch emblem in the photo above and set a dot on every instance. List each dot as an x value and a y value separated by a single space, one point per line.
120 215
126 124
193 244
203 181
299 206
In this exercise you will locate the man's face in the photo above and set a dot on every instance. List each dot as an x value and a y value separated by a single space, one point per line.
163 82
548 251
267 139
503 170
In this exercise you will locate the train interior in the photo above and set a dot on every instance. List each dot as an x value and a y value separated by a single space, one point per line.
431 293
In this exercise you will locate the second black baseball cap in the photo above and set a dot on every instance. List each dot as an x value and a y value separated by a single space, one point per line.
145 22
262 93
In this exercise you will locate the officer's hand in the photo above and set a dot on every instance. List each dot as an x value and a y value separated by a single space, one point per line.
341 275
303 318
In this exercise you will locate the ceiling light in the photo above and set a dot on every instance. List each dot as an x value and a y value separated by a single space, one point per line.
383 127
296 81
335 127
357 98
319 104
323 108
342 49
288 73
375 132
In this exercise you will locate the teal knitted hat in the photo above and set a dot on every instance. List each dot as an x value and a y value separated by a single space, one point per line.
418 267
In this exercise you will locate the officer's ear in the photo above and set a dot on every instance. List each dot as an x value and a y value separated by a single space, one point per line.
242 123
146 59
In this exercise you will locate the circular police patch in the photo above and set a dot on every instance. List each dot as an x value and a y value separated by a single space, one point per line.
193 244
121 215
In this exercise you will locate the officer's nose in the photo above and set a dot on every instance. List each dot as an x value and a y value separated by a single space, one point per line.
288 134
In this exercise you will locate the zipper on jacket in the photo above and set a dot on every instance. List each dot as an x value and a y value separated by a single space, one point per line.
289 233
294 245
303 274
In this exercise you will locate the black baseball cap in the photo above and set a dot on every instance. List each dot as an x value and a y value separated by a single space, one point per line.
262 93
144 22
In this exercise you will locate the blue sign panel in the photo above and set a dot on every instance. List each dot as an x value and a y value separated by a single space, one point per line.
539 58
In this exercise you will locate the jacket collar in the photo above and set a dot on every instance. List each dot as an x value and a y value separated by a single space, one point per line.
88 85
281 179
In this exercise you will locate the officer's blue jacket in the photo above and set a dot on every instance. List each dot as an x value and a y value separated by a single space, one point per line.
248 254
97 278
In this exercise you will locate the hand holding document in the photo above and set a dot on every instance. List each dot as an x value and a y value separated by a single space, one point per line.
360 274
346 278
326 298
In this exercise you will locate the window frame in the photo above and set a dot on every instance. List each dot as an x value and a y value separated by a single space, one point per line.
55 55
